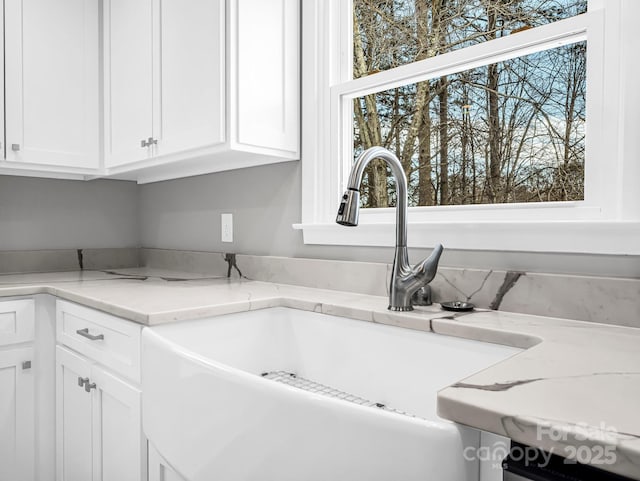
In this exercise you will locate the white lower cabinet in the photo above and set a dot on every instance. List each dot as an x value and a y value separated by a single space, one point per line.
98 410
159 469
16 415
73 417
17 390
120 448
99 433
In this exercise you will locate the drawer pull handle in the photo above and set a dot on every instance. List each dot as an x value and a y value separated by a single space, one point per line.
85 333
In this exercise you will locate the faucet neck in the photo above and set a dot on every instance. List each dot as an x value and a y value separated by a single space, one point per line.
393 162
401 264
398 301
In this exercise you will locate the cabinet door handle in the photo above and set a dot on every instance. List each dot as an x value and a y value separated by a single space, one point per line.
82 381
88 387
152 141
15 147
85 333
144 143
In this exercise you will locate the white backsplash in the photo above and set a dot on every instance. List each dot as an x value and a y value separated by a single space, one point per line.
586 298
62 260
594 299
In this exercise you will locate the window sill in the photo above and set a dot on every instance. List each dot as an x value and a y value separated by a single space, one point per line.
588 237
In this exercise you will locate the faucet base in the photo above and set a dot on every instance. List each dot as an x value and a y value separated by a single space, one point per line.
400 308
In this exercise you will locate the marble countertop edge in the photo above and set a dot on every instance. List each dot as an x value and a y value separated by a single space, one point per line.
553 436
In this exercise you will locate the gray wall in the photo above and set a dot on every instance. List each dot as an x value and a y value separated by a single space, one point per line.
265 201
63 214
185 214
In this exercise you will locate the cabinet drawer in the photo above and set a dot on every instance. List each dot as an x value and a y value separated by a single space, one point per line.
16 321
109 340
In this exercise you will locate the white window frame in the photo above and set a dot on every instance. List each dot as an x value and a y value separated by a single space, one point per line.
606 222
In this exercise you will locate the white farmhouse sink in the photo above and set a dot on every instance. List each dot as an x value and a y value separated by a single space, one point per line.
210 412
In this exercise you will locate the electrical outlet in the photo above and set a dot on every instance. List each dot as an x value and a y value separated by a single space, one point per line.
226 227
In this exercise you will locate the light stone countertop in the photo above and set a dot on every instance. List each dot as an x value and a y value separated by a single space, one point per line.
574 391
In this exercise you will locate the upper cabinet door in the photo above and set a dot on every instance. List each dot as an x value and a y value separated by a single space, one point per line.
52 82
264 72
2 133
189 76
128 80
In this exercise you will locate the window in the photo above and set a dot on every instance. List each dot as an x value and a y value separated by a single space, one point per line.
513 121
511 131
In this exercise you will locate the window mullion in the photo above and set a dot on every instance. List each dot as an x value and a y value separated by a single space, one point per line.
545 37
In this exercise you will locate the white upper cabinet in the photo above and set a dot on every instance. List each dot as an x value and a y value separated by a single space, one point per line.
265 82
127 83
164 77
2 132
223 78
52 83
189 79
148 90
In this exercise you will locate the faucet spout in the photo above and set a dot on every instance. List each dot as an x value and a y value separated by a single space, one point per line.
405 280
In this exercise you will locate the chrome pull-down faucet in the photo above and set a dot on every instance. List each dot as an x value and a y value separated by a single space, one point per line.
405 280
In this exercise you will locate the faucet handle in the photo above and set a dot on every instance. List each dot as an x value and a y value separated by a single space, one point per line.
427 269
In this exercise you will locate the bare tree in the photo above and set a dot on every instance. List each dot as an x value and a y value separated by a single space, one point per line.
512 131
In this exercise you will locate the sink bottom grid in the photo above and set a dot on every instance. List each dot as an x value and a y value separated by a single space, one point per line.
293 380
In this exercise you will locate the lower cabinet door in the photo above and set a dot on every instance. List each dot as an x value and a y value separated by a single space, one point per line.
16 415
159 469
120 449
98 423
73 417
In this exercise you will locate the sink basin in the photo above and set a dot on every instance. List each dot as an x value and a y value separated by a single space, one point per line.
288 395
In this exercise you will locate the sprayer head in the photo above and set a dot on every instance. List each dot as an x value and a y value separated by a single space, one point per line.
349 208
